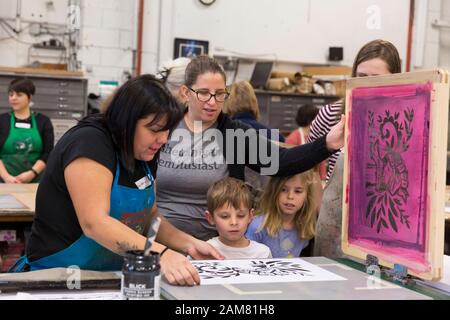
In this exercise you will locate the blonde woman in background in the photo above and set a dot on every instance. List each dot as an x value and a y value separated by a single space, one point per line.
242 105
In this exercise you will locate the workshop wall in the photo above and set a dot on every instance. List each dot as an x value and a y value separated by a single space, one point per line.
105 43
291 30
294 31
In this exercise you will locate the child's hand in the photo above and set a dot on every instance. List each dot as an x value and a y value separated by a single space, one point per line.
202 250
335 138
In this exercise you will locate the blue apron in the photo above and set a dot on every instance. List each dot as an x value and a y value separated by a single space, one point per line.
128 205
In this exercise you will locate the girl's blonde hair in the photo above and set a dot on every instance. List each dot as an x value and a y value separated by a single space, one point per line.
242 99
305 218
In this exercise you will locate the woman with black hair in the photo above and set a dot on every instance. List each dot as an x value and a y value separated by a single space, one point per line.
26 137
98 191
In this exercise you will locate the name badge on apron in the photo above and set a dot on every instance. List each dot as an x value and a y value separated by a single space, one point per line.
143 183
23 125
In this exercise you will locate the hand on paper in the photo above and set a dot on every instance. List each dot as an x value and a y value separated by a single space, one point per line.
179 271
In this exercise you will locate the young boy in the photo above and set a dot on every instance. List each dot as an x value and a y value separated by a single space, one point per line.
230 210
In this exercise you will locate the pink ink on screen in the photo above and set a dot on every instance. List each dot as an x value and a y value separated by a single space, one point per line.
388 152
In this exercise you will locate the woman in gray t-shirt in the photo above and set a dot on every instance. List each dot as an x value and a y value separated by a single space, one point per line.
207 146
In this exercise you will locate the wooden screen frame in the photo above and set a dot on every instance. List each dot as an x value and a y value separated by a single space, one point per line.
437 161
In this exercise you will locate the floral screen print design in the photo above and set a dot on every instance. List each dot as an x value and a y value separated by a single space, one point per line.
388 159
261 271
261 268
388 194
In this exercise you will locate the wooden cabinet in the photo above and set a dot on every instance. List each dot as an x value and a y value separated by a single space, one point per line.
278 109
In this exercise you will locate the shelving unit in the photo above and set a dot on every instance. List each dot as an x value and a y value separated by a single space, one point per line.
278 109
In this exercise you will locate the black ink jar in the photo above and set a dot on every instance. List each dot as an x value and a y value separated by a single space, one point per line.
141 276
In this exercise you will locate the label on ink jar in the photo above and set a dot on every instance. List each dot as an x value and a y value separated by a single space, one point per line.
141 276
140 287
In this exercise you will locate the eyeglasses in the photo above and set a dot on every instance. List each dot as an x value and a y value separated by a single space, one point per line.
204 95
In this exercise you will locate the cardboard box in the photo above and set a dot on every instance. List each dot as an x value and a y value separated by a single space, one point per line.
328 70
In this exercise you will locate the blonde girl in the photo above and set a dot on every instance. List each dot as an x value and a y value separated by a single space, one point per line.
286 216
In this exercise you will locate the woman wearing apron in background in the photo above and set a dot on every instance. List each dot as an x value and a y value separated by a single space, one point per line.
26 137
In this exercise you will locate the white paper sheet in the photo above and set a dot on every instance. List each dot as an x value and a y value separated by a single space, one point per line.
261 271
9 202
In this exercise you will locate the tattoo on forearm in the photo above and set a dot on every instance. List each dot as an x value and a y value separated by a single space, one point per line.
123 247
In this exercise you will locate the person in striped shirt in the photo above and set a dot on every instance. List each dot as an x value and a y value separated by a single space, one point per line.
378 57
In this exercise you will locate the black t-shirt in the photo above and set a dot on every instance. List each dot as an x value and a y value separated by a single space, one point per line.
44 126
55 225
